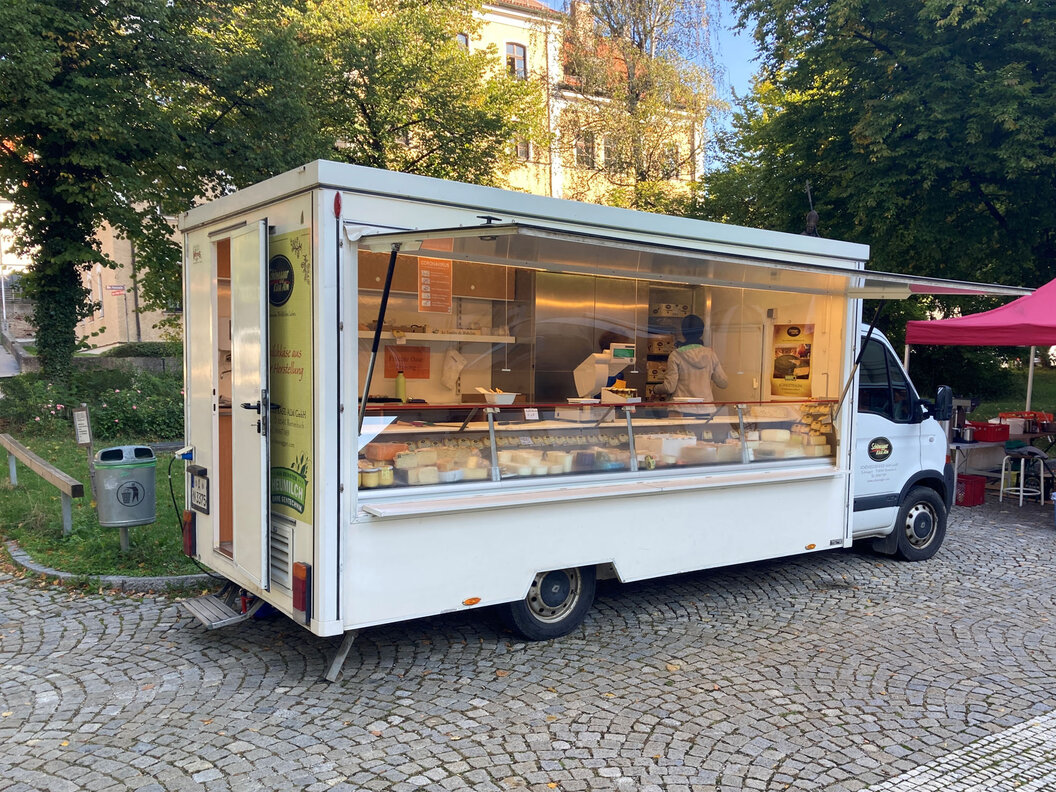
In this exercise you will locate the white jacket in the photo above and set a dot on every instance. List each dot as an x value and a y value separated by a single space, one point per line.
690 371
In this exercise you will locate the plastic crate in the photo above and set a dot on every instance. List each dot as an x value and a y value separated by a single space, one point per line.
988 432
971 490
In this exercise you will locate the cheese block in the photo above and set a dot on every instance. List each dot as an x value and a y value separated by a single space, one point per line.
428 475
475 474
448 476
405 460
426 457
729 452
771 450
775 435
817 440
447 465
383 452
818 450
699 454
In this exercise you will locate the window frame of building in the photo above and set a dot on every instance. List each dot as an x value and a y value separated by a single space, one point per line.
517 60
463 41
586 151
522 149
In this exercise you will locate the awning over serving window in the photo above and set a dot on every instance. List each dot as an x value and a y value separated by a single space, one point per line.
654 258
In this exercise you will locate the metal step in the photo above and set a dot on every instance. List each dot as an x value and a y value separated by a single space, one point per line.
215 613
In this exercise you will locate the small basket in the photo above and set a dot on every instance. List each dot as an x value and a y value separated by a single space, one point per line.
971 490
988 432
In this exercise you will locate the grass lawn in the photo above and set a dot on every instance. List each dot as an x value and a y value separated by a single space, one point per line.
1042 400
31 514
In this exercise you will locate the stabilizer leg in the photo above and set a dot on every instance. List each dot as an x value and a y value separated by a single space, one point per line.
339 658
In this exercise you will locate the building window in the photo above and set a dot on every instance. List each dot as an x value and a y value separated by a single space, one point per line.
517 61
585 150
99 282
521 149
671 169
463 40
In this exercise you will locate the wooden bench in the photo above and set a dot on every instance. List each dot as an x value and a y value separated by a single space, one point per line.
67 485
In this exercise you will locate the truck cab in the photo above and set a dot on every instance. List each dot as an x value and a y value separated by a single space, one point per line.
902 475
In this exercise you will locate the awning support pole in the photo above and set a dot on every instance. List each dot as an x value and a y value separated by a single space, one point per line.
1030 377
377 333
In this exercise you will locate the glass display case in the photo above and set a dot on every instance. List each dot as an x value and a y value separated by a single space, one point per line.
414 445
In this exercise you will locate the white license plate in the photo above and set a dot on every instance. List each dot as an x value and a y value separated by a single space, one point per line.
200 494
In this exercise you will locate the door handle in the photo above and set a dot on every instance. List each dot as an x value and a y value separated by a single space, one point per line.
251 406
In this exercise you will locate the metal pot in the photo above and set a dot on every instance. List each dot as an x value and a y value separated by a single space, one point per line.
967 434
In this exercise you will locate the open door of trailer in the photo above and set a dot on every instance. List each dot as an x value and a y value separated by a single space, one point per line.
250 401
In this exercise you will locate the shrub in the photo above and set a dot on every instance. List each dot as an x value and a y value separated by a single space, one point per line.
122 402
152 349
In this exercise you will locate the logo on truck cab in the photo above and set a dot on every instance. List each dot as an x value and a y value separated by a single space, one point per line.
879 449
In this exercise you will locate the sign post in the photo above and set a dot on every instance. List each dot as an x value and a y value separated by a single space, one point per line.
82 428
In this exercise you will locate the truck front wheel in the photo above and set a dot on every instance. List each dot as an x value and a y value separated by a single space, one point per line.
921 524
557 602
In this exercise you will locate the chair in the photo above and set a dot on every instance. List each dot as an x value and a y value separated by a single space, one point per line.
1015 483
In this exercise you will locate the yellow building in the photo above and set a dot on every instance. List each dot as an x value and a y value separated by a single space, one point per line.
528 35
118 317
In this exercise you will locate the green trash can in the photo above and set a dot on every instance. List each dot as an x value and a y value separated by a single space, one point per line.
124 486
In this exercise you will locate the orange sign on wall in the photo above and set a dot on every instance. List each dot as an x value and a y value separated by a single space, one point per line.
434 286
413 361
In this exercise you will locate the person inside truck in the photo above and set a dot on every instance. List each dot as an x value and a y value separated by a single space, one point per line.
692 368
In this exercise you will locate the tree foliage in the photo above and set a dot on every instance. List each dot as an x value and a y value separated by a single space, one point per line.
130 111
926 130
638 93
123 113
398 92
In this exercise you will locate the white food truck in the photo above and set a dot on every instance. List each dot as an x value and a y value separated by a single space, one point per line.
406 397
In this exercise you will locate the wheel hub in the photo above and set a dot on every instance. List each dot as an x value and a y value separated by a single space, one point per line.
554 588
920 525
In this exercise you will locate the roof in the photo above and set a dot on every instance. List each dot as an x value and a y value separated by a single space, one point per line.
1028 321
532 5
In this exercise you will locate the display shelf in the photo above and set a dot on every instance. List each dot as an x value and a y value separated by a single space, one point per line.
462 338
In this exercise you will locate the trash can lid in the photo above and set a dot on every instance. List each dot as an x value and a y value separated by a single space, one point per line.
119 455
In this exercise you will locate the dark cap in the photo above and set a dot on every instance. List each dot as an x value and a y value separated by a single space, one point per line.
692 326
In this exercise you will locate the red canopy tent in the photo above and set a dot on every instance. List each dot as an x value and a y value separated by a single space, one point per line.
1026 321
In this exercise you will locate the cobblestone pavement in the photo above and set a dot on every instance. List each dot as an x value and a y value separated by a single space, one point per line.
834 671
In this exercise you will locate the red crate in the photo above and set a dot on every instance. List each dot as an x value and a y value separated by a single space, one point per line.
988 432
971 490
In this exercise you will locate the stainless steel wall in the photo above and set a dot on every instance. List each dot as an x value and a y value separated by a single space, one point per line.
572 312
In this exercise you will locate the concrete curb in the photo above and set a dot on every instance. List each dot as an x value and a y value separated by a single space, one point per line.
22 558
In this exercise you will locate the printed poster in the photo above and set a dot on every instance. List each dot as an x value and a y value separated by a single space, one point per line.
790 377
291 356
435 286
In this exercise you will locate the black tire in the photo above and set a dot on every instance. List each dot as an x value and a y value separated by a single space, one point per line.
556 604
921 525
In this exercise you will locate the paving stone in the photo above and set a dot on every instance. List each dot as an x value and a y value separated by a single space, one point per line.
834 672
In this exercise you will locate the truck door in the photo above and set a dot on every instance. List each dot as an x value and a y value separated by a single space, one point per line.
887 445
249 401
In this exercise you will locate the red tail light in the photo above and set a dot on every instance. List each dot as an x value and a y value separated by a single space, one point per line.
302 591
190 536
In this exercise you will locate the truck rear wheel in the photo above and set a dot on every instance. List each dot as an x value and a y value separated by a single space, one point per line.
921 525
557 602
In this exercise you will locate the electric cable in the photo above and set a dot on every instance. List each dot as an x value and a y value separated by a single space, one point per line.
179 521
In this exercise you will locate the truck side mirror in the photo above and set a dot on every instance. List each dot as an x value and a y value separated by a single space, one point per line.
942 408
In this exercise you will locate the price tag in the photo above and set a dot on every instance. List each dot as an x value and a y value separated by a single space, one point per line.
526 440
531 413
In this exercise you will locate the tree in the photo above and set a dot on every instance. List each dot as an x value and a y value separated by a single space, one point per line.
637 95
399 92
124 112
926 130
